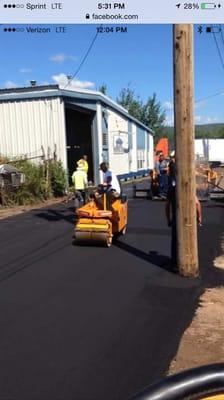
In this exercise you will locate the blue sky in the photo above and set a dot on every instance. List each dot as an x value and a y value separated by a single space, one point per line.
141 58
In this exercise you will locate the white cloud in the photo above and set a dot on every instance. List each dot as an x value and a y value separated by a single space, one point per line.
10 85
212 120
199 119
62 81
25 70
61 57
168 105
169 121
200 104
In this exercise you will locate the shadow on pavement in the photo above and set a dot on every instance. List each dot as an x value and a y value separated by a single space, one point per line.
153 257
148 231
54 215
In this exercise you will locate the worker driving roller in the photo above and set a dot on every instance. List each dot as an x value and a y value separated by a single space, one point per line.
110 180
105 215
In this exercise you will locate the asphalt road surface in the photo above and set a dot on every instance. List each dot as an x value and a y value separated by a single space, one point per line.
91 323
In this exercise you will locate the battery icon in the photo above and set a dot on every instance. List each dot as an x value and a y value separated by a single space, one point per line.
213 29
208 6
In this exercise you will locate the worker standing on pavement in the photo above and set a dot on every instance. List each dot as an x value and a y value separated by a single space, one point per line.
162 171
79 179
171 212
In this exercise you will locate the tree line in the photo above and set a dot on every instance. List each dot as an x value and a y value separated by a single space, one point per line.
152 114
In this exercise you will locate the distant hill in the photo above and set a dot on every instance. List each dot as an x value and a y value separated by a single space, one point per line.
211 131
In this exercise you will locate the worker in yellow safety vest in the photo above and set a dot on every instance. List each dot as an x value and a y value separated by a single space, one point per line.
79 180
84 161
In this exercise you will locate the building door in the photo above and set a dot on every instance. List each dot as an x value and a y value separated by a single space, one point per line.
79 138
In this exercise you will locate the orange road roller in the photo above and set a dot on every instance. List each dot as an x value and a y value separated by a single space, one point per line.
101 219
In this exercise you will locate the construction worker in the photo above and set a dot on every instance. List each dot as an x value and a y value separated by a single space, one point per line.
154 184
110 180
212 176
79 179
171 213
84 161
162 171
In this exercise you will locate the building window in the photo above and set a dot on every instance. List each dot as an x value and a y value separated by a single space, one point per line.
105 139
140 159
140 164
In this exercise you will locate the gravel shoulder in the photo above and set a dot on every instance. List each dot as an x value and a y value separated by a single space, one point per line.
203 341
12 211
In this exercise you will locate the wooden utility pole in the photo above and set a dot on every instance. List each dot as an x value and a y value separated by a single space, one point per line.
187 243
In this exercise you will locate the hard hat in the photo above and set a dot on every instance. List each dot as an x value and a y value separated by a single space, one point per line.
80 163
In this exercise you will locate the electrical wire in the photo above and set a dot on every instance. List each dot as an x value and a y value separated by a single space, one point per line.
218 49
83 59
222 36
222 62
209 97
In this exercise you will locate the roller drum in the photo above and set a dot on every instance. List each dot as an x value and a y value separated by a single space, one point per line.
102 238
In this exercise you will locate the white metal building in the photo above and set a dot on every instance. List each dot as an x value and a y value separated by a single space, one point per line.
74 123
209 149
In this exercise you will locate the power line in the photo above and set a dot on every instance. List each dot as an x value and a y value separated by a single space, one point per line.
217 45
222 36
84 59
209 97
222 62
203 99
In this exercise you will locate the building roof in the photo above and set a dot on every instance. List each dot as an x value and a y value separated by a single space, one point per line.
38 92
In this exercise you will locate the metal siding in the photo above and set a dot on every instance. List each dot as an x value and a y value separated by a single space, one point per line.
134 148
95 147
63 137
99 142
119 163
130 135
28 125
151 152
89 97
100 132
214 148
146 150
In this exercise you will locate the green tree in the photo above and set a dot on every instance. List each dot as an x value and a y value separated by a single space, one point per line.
128 99
150 113
153 115
103 88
